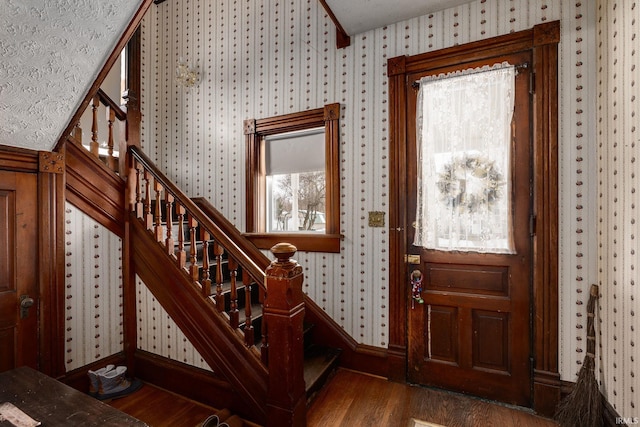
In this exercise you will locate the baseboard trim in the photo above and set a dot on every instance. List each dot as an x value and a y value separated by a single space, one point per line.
367 359
189 381
546 392
397 363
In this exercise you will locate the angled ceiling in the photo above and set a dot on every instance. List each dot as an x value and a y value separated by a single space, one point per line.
52 52
358 16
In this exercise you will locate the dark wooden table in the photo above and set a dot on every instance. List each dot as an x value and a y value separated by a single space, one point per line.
55 404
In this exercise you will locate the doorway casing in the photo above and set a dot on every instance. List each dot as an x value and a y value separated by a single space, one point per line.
542 41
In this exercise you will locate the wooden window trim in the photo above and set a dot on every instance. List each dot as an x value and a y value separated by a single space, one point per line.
255 130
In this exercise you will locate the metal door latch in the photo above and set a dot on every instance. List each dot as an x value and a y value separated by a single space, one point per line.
25 304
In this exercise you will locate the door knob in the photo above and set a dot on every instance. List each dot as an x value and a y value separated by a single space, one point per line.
25 303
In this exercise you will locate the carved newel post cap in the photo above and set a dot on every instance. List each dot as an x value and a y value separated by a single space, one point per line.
283 251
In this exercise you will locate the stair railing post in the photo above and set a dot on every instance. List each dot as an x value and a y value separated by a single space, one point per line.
284 313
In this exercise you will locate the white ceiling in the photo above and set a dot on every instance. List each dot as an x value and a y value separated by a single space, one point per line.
52 52
358 16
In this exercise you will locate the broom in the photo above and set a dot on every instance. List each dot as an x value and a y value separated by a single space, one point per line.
583 406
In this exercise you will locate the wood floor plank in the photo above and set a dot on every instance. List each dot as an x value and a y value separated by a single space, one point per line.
354 399
350 399
160 408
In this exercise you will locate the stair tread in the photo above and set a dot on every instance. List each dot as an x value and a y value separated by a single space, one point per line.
319 362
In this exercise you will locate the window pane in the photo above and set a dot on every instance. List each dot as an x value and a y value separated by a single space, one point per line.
296 202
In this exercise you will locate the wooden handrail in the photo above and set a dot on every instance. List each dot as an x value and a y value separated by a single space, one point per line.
227 241
228 228
108 102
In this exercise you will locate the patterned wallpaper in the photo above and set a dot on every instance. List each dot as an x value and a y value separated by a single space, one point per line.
94 301
259 59
93 294
160 335
290 63
618 199
51 54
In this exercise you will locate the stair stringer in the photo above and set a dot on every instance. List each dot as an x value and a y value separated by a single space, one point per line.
198 318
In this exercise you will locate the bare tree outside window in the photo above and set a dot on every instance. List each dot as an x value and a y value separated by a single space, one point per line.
299 201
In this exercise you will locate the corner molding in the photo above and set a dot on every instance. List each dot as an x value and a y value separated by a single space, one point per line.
342 38
50 162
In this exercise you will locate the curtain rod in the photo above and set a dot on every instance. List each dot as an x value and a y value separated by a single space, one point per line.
416 84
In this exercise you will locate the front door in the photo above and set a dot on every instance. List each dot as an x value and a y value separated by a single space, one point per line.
18 270
469 325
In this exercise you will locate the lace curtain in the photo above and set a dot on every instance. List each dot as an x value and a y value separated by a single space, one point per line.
464 158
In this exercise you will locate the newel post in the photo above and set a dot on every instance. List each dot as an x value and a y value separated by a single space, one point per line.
283 314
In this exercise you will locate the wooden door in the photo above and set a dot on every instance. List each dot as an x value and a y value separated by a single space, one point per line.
472 334
18 270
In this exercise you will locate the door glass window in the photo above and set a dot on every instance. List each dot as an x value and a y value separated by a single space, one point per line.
464 157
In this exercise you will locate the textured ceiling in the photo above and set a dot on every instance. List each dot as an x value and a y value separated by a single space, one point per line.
358 16
52 52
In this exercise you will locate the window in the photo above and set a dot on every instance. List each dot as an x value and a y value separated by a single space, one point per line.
464 149
293 181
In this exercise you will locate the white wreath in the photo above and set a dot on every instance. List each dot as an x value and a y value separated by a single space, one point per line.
470 183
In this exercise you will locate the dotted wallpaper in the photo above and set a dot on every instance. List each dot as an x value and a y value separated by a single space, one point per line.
158 334
93 290
618 199
260 59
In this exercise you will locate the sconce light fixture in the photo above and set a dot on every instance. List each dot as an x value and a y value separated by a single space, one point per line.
185 75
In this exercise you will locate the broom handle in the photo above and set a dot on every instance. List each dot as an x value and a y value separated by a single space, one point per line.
591 330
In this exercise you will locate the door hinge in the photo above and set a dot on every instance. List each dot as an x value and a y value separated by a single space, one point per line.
532 82
532 225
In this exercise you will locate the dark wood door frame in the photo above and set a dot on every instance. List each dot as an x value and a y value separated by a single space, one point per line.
49 168
542 41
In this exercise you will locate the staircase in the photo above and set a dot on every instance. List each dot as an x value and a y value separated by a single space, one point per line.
320 360
241 312
246 316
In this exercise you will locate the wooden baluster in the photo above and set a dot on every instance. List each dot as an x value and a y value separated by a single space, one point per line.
148 217
206 274
77 133
168 202
158 212
111 161
94 144
193 252
234 315
218 251
181 255
138 203
248 325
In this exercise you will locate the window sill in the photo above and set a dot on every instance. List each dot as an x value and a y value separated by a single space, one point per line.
303 241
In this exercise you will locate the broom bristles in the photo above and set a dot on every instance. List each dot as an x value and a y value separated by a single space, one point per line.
583 406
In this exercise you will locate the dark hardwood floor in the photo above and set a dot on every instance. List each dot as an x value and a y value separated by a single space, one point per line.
354 399
350 399
160 408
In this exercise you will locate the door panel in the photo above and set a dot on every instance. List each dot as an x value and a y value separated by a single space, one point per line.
473 333
18 248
